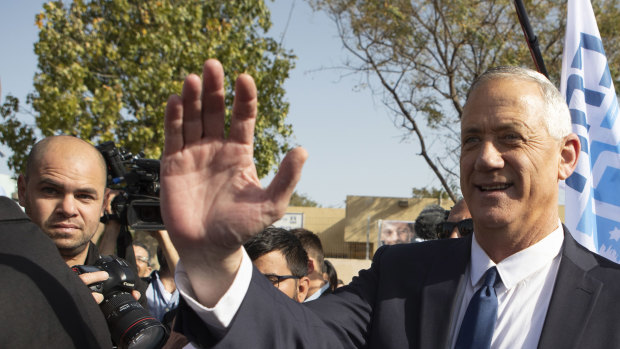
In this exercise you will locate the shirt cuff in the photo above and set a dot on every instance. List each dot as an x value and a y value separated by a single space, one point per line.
224 311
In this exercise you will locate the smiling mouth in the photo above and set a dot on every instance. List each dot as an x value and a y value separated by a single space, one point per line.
494 187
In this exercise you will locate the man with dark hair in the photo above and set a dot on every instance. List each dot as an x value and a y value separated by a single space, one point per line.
162 294
428 220
313 246
458 224
519 280
143 259
331 275
279 255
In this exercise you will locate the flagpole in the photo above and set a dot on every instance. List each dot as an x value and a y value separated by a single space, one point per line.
532 40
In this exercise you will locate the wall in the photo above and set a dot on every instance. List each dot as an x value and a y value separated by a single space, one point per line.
364 212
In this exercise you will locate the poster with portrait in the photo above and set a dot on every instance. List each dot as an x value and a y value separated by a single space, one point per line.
392 232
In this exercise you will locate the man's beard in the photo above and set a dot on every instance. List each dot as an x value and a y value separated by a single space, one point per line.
69 249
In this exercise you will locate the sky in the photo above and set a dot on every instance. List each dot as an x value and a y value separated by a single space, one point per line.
354 147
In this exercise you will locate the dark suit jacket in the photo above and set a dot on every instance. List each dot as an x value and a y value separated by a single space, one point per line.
405 300
43 304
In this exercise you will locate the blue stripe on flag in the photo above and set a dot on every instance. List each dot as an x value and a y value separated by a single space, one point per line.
574 82
584 144
610 179
597 148
578 117
587 223
594 98
611 115
588 42
576 181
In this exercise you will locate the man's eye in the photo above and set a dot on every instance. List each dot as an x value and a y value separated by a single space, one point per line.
512 137
470 139
48 190
85 197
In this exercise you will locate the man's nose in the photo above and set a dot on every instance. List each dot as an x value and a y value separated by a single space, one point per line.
67 206
455 233
489 157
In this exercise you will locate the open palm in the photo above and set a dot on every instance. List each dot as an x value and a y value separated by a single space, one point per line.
211 198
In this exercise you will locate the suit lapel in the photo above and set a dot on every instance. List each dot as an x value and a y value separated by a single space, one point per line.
439 292
574 295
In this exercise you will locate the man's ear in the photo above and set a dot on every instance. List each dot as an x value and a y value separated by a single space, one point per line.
569 154
310 266
106 200
21 190
303 285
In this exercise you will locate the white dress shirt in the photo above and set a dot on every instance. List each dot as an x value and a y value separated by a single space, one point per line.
523 295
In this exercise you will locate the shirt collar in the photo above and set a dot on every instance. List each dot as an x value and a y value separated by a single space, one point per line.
318 293
520 265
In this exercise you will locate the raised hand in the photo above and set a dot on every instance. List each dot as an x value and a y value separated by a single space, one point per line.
211 198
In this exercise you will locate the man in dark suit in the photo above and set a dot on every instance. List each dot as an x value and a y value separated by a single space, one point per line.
280 257
44 304
311 242
516 146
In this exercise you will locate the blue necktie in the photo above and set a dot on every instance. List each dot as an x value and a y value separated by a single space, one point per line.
479 321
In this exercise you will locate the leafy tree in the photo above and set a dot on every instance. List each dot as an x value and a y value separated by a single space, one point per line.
302 200
429 193
107 67
421 56
15 134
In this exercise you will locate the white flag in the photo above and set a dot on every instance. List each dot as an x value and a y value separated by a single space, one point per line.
592 199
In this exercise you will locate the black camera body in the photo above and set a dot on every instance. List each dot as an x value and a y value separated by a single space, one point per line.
121 277
138 207
130 325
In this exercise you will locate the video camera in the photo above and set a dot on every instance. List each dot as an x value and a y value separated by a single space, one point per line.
138 206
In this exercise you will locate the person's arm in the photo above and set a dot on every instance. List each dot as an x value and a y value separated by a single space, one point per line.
170 252
112 227
211 198
107 243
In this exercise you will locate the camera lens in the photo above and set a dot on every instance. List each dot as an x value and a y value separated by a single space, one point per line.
130 324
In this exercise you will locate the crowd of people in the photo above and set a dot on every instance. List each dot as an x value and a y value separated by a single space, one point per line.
498 270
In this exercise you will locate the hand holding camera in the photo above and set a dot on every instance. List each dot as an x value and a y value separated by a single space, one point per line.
130 325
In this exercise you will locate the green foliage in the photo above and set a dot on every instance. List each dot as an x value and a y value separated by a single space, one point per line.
421 57
302 200
15 134
107 68
421 193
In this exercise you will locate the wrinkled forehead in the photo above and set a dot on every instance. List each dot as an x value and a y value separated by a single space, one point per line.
513 101
74 160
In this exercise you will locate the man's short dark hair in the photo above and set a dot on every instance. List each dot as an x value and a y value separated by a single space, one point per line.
332 275
278 239
312 244
143 245
426 223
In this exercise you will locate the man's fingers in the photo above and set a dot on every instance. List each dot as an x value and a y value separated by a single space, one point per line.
244 110
98 297
192 105
213 103
283 184
91 278
173 126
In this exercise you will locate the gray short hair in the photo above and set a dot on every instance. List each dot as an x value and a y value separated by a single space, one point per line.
557 118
